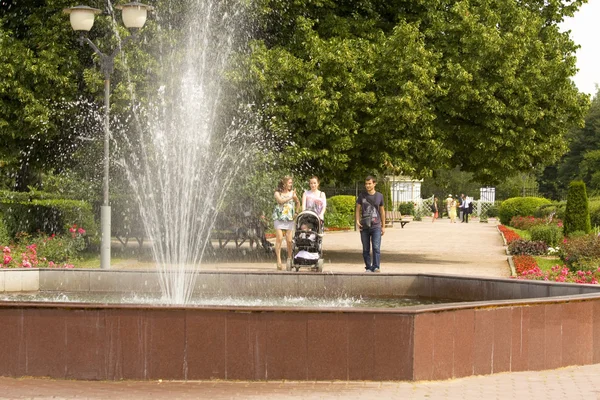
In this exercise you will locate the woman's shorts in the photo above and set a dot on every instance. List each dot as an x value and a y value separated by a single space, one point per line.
284 225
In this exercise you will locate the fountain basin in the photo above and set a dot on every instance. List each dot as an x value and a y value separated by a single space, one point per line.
499 325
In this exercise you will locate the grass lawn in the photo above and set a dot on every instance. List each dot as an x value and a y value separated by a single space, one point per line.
546 263
92 260
523 233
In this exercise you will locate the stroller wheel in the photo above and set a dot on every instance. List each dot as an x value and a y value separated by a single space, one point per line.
320 265
288 264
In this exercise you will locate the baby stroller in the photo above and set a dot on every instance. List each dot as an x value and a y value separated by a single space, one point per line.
307 242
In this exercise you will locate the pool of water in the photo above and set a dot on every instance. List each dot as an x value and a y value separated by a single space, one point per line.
213 300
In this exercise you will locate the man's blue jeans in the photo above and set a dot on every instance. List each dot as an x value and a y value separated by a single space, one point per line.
371 236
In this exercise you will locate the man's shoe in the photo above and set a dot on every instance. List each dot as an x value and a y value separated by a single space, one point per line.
376 270
368 270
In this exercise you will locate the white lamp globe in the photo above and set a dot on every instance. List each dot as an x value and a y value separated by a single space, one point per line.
81 17
134 14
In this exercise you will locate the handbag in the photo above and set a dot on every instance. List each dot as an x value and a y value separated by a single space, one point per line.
367 221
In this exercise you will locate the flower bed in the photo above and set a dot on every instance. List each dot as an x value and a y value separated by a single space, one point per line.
527 268
509 235
44 251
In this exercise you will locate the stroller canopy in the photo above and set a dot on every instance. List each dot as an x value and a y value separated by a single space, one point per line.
309 218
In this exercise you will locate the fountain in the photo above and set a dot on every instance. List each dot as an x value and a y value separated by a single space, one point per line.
493 325
181 152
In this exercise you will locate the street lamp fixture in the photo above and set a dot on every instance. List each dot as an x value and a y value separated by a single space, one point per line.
82 20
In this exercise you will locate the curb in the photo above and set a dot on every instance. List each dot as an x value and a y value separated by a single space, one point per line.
509 259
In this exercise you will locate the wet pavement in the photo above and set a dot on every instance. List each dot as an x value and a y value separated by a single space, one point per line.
441 247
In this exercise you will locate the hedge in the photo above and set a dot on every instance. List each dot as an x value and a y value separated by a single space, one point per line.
340 211
49 216
519 206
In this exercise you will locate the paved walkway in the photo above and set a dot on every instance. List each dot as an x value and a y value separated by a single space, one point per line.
441 247
567 383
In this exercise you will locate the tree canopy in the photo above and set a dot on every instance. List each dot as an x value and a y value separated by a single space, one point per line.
582 160
348 87
343 87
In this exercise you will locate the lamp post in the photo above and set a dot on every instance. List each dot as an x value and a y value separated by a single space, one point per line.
82 19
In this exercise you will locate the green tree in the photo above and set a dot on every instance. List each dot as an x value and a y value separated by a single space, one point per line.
414 86
581 161
577 213
37 63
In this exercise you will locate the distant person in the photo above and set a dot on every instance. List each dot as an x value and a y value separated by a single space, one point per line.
314 199
452 212
283 216
434 209
448 202
461 210
370 219
467 208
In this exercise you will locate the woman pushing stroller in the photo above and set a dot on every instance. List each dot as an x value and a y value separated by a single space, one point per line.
287 204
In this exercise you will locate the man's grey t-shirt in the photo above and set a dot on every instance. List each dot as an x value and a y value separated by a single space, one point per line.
370 204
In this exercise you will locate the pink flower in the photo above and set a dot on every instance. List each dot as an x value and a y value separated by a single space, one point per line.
7 250
81 231
51 264
7 259
26 264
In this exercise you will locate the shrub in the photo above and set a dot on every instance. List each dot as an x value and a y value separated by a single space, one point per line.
595 212
407 208
342 204
580 252
519 206
60 248
526 223
338 220
527 247
45 251
549 234
5 237
577 214
417 214
48 216
340 211
492 212
554 210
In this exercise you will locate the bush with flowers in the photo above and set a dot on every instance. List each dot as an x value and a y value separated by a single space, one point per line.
580 252
45 251
526 223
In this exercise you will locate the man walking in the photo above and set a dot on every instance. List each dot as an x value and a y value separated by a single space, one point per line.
370 219
466 208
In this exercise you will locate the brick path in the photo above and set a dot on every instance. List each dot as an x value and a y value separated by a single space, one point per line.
441 247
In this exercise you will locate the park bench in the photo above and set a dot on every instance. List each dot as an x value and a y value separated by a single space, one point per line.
395 216
240 229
